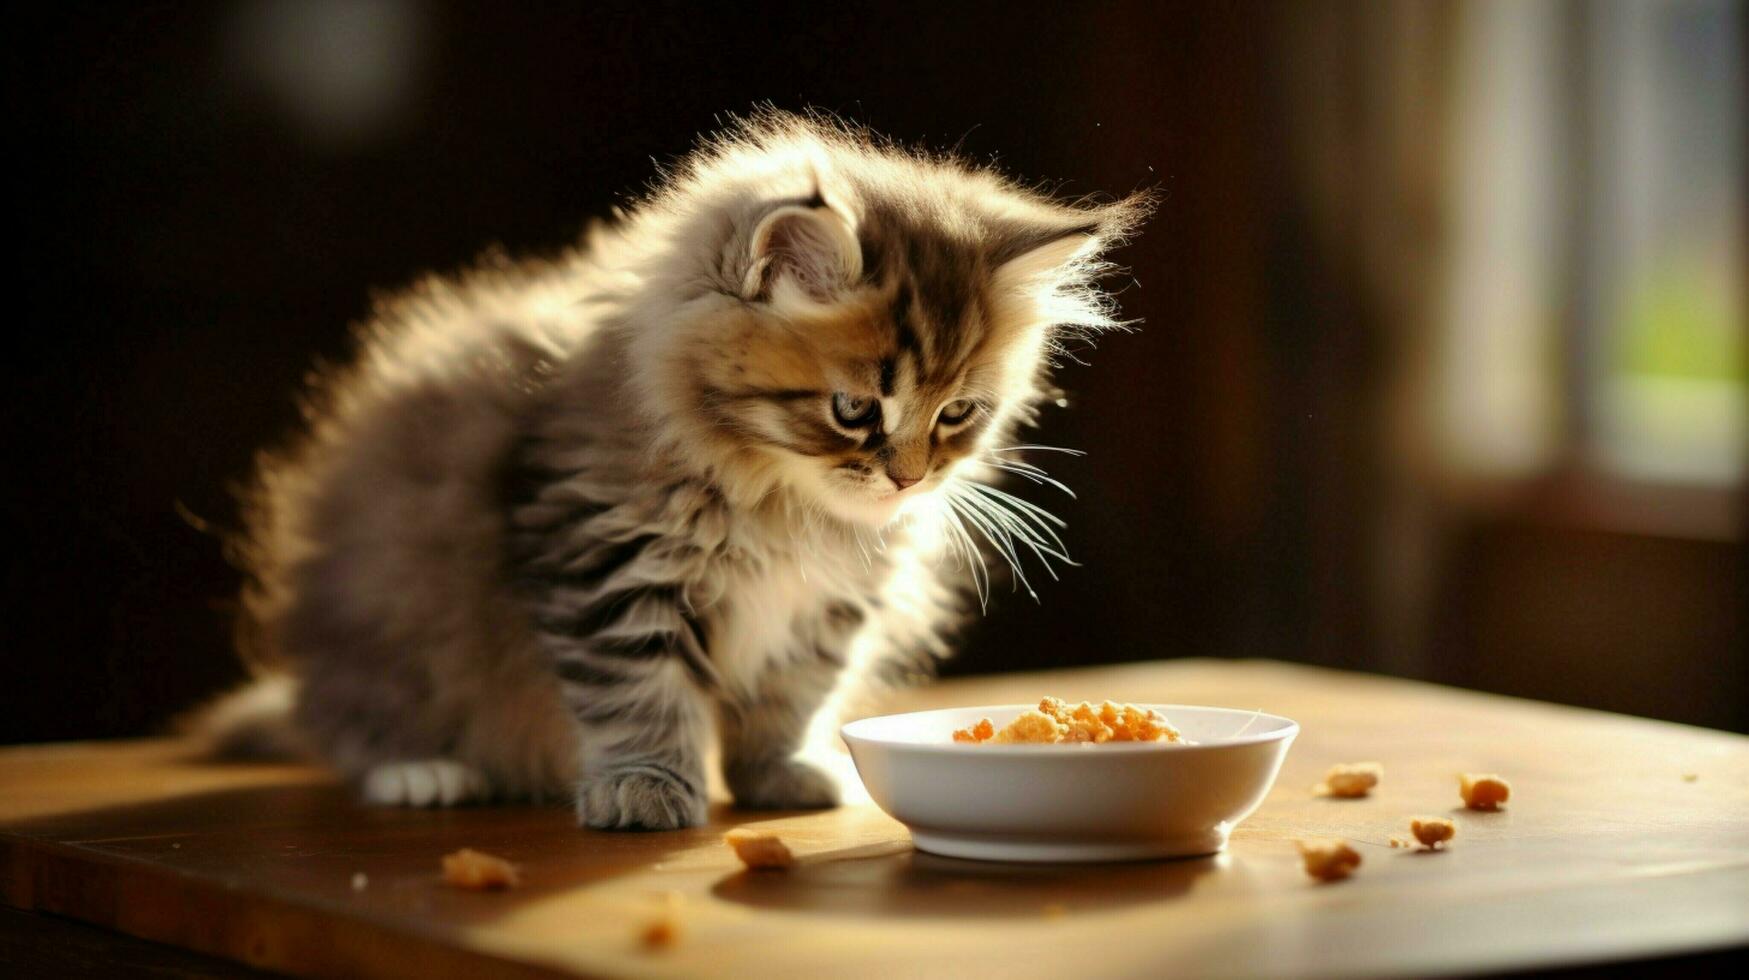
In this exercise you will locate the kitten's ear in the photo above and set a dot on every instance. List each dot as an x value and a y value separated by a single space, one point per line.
812 249
1037 252
1046 243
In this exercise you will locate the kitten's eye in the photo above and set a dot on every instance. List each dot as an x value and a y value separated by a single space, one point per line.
854 412
957 411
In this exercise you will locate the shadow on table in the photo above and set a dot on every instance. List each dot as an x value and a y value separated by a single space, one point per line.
913 884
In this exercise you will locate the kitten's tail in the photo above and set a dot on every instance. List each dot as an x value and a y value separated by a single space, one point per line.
253 722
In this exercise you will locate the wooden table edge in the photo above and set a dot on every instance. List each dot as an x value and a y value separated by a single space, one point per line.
262 931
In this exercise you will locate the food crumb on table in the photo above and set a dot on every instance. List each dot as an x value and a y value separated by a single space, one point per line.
660 933
1432 831
477 871
360 881
1350 780
1689 777
758 850
1483 791
663 931
1328 859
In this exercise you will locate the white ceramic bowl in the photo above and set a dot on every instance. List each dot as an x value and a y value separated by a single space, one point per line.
1113 802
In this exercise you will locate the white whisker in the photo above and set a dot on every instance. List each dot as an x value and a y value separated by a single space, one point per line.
1011 529
963 539
1039 513
998 532
1012 508
1030 472
1048 449
964 518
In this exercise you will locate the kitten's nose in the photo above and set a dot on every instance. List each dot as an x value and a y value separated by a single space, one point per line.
903 482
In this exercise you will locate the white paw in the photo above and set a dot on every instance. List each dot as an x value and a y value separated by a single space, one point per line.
425 782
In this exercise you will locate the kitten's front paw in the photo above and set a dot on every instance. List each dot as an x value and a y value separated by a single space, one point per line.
786 784
638 798
424 782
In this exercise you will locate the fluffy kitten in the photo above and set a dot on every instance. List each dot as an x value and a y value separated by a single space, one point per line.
560 519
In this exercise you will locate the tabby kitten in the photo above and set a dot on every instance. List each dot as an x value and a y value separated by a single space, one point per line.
562 519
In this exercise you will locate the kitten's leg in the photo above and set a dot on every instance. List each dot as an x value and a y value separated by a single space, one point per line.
761 737
633 686
643 765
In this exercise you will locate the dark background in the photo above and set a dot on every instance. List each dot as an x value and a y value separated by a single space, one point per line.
204 198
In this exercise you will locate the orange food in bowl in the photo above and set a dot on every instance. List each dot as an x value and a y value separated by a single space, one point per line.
1054 721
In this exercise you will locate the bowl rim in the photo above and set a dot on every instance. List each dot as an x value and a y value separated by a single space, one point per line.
1289 729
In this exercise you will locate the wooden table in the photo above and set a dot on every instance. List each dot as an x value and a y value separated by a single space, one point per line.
1608 851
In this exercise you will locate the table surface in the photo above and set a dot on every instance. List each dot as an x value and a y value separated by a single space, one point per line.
1606 852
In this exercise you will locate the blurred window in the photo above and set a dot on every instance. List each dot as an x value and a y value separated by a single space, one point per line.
1595 306
1666 383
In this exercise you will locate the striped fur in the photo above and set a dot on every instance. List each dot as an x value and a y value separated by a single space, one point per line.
560 521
